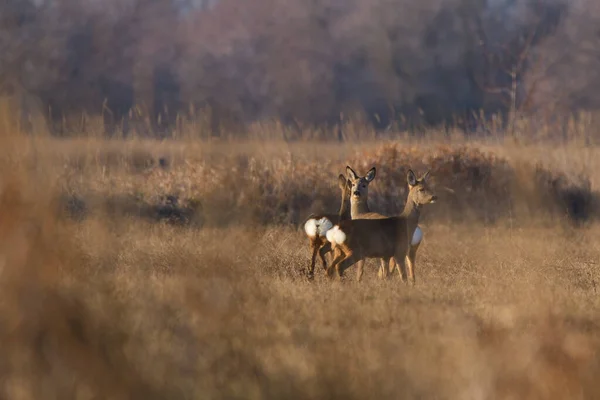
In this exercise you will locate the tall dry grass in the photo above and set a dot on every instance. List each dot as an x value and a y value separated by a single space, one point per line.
145 269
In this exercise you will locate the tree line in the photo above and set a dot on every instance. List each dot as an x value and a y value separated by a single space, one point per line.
306 63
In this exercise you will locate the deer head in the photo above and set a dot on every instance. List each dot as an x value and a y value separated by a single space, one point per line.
419 192
359 185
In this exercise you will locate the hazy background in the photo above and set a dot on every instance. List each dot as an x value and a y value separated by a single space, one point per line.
144 65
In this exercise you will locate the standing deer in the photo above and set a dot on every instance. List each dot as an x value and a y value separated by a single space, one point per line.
359 209
316 227
386 238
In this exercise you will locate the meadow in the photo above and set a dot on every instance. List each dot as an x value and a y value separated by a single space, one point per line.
175 269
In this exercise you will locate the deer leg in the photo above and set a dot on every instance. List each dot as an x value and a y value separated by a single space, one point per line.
338 256
344 264
344 259
350 260
359 272
411 272
383 267
380 272
401 265
326 248
411 260
393 265
311 270
412 253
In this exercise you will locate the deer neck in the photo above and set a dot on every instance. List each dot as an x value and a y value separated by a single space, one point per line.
412 212
358 207
344 212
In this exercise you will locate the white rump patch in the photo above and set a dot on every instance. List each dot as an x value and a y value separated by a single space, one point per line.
310 227
417 236
314 227
336 236
330 234
323 226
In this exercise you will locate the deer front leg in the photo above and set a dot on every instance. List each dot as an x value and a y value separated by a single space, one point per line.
392 266
359 272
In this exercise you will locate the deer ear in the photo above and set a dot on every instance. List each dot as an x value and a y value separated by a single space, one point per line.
351 174
371 174
425 175
342 182
411 178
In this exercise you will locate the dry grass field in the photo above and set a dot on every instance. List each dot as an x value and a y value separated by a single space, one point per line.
147 269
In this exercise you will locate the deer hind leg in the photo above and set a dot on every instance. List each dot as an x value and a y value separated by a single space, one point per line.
311 269
400 261
411 258
411 272
345 259
351 259
338 257
326 248
412 253
314 247
409 268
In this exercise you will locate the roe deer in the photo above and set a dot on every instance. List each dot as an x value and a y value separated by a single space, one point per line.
316 227
386 238
359 209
